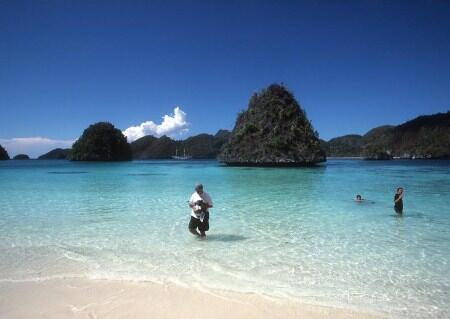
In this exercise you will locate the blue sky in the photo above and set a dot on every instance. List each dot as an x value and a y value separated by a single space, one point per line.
352 65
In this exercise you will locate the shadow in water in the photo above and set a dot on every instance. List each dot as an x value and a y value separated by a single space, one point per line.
68 172
145 174
225 237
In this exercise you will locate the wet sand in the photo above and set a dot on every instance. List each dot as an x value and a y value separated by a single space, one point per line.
85 298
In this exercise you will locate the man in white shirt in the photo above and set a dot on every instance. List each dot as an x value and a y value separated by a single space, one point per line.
200 202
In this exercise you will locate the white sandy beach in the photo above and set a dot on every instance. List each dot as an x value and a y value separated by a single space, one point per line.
84 298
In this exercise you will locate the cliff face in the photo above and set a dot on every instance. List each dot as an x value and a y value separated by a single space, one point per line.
3 154
273 131
423 137
57 154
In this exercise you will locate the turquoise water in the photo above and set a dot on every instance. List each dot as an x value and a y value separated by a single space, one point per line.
291 233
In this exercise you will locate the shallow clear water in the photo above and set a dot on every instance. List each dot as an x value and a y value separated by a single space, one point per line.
292 233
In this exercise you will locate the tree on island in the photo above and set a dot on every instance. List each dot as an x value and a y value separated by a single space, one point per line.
3 154
101 142
273 131
21 157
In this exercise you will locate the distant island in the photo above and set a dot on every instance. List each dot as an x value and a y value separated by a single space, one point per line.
21 157
101 142
202 146
57 153
425 137
273 131
3 154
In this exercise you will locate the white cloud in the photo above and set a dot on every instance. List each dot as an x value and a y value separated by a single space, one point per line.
171 125
32 146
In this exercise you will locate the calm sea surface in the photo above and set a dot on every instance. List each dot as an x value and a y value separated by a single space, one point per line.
291 233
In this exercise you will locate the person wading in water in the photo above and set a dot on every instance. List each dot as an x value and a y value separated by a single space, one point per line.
398 201
200 203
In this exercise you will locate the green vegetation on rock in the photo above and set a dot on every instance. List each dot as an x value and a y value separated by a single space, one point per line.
101 142
273 131
3 154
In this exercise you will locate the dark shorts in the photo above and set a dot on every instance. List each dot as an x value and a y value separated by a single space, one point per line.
398 209
196 223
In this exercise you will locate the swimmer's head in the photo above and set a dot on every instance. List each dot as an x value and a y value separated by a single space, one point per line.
358 197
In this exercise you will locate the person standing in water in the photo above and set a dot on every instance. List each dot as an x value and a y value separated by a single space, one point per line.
200 203
398 201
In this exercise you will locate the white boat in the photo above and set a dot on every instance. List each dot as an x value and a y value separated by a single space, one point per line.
181 157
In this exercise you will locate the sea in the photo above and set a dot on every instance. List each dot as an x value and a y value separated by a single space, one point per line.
289 233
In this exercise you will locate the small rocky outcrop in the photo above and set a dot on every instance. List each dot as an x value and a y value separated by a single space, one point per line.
273 131
3 154
101 142
57 154
21 157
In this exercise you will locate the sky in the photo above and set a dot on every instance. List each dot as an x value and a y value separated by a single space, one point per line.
187 67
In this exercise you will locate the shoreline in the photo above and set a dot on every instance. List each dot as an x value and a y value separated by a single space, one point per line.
91 298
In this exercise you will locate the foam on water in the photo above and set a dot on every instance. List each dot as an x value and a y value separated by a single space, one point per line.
292 233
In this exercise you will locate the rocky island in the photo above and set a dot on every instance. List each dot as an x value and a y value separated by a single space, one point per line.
101 142
3 154
273 131
21 157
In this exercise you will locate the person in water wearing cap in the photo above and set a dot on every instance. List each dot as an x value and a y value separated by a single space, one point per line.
200 203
